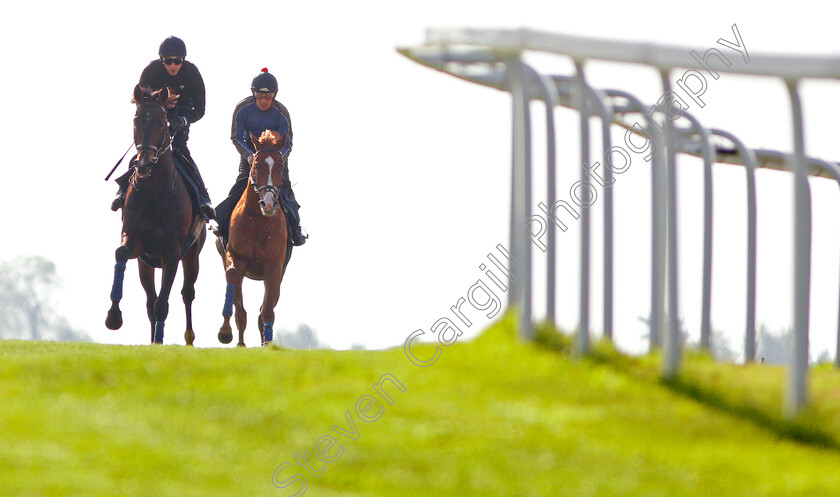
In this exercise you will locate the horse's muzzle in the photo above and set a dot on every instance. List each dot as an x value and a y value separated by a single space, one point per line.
143 163
269 204
269 200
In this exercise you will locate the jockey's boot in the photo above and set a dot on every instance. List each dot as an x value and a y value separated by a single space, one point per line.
119 201
292 213
122 181
207 209
298 238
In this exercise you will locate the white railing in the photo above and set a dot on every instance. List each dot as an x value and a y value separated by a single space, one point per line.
495 58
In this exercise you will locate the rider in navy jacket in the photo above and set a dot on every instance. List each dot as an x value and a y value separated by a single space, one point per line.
255 114
248 118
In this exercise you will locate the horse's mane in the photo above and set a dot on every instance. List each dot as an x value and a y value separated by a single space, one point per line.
269 137
150 94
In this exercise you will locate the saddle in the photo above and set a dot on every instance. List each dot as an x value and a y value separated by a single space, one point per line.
185 166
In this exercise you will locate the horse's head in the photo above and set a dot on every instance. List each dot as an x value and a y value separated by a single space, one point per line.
151 130
267 169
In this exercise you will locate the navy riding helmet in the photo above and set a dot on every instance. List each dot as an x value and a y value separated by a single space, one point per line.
173 47
264 82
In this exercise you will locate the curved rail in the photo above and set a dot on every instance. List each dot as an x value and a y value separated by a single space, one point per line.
493 58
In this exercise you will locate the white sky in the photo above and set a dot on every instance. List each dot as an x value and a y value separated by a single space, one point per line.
403 172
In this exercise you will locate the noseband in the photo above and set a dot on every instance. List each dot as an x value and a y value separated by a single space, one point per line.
271 188
164 143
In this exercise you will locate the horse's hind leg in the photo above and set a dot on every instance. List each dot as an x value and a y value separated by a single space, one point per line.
114 319
147 279
170 269
241 315
190 263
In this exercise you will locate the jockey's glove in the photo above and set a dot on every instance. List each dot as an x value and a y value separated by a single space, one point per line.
178 123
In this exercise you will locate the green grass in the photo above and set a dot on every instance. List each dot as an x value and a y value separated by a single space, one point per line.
753 392
494 417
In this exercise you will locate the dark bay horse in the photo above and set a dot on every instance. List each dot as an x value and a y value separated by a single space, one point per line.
159 223
257 239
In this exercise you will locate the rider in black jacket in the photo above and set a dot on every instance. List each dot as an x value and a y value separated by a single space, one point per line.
183 78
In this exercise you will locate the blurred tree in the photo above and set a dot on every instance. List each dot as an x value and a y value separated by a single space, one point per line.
721 347
825 357
645 337
27 286
773 348
302 338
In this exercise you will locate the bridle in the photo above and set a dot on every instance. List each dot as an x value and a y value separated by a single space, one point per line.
261 189
166 141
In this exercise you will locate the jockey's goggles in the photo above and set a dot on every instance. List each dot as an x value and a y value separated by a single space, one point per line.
172 60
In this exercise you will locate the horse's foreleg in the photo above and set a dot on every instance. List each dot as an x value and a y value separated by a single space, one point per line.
114 319
225 332
272 296
147 280
190 263
170 269
234 273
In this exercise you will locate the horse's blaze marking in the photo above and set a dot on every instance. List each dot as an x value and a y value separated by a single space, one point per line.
270 162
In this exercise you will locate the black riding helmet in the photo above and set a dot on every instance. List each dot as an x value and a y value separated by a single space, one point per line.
264 82
173 47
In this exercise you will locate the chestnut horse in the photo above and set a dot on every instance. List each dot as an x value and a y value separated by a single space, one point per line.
257 239
159 223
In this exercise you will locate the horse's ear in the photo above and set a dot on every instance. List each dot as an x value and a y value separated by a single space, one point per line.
138 94
163 95
255 141
281 143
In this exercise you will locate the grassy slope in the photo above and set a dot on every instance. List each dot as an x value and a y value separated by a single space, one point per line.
493 417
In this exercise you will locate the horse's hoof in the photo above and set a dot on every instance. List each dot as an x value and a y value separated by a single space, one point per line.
240 344
225 337
189 337
114 320
266 343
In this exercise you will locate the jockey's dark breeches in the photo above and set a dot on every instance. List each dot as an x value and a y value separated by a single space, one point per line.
182 152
